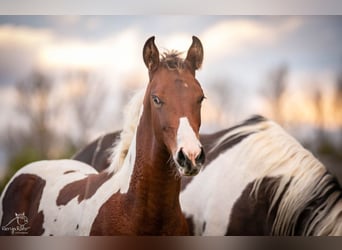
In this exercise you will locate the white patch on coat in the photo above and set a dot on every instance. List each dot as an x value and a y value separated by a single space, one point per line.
75 218
211 195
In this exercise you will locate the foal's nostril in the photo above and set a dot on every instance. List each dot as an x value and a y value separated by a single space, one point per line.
183 160
200 158
190 166
181 156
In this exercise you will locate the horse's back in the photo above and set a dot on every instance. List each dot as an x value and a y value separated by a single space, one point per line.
53 167
98 152
24 192
52 171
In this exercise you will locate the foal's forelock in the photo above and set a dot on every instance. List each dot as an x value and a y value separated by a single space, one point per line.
172 60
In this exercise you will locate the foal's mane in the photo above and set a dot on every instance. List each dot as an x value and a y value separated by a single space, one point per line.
305 188
130 122
170 60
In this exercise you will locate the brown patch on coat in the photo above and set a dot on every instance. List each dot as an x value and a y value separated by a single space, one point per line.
69 172
84 188
23 195
107 215
249 216
191 225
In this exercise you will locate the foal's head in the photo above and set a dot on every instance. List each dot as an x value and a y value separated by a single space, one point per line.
174 98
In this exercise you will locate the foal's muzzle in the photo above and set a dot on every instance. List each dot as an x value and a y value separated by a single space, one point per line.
190 164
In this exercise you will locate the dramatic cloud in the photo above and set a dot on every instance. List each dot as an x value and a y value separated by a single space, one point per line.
119 50
23 49
19 50
232 37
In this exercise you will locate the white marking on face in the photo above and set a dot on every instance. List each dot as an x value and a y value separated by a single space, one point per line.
187 139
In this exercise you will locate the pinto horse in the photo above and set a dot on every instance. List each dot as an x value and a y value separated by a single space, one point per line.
137 194
261 181
257 180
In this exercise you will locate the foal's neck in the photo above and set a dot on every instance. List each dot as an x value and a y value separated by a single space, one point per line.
155 187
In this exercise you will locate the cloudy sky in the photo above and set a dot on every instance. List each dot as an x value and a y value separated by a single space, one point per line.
239 50
235 43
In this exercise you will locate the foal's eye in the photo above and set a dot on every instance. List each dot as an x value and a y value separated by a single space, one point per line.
156 101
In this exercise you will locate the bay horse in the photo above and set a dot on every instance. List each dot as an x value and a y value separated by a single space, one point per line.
257 180
137 194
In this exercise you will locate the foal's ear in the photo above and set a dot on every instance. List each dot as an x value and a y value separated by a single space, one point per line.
195 54
151 55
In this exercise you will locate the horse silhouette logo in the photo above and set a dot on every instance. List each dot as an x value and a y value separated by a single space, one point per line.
17 225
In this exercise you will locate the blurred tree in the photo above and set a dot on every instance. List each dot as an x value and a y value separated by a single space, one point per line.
33 105
323 144
274 91
319 112
338 104
223 94
72 108
29 138
325 147
87 103
18 160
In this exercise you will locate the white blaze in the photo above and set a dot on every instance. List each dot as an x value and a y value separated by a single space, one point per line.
187 139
